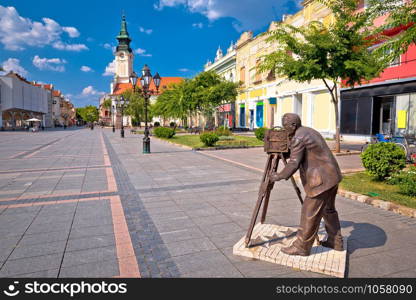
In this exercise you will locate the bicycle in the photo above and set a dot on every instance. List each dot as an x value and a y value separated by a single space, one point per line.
406 142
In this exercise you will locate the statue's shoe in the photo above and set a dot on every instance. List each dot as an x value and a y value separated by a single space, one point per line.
292 250
338 246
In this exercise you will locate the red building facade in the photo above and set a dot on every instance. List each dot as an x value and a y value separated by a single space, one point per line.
386 104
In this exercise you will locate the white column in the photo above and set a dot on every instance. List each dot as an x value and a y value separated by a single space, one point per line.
310 109
1 119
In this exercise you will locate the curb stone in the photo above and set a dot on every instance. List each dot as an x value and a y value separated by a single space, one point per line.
386 205
347 153
207 149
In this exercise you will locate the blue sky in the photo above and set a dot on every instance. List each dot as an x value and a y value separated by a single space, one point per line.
69 43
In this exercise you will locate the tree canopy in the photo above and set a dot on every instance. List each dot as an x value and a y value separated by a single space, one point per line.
201 94
331 53
400 16
135 108
107 103
88 113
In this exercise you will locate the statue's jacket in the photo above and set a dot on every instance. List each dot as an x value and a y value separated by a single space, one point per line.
318 168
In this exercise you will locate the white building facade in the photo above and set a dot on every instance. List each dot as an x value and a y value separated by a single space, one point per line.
225 66
20 100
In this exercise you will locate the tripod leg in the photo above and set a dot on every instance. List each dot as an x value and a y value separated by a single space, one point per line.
260 198
275 164
295 186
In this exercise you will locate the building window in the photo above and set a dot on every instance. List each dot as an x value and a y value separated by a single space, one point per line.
257 76
394 63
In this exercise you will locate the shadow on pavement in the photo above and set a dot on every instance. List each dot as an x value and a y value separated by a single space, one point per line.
364 235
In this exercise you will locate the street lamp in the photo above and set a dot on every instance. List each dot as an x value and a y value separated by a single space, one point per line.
145 81
112 115
122 103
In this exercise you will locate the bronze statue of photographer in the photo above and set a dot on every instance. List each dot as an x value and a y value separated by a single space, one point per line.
320 175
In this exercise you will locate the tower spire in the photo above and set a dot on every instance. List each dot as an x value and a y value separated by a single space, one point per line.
123 37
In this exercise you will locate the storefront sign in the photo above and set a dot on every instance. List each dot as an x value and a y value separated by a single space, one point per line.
224 108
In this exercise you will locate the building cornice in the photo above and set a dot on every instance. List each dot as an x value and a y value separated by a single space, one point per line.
386 82
224 60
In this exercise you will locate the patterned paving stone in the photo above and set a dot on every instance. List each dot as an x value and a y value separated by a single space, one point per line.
268 240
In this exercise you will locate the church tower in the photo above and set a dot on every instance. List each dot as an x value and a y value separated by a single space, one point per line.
124 55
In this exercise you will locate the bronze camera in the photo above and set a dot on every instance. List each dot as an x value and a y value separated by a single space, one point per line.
276 141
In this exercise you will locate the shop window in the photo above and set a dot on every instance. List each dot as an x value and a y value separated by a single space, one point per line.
412 114
271 75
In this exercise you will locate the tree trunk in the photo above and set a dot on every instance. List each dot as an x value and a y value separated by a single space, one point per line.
334 95
337 130
337 121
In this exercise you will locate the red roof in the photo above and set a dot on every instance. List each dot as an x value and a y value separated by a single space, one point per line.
47 86
56 93
120 88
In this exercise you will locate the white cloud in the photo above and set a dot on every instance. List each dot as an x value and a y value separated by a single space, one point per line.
169 3
259 14
17 32
110 70
91 91
147 31
109 47
142 52
72 31
13 64
69 47
86 69
198 25
52 64
184 70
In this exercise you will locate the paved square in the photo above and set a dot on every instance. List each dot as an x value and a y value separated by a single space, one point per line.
88 203
269 239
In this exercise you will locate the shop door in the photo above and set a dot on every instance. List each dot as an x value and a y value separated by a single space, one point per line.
386 118
259 116
251 119
242 117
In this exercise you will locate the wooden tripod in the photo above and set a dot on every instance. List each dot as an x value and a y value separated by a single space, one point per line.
265 189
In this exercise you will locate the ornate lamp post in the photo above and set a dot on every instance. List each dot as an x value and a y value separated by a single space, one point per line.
122 103
112 116
145 81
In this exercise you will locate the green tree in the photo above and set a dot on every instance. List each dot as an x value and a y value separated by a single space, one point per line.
88 113
107 104
210 90
135 108
330 53
198 95
174 102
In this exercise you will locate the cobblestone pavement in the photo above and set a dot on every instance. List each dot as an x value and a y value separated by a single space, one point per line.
88 203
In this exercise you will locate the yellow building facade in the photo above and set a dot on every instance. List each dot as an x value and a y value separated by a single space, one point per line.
256 102
264 99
